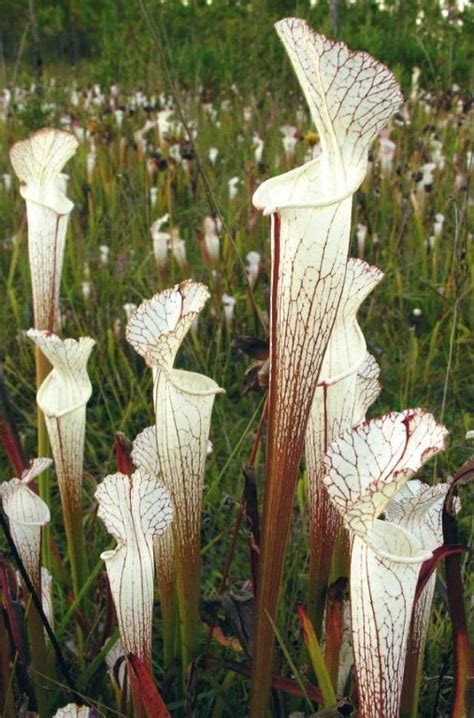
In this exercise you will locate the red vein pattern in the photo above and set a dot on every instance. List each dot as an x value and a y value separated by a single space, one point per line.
366 469
418 508
183 404
134 510
351 97
341 393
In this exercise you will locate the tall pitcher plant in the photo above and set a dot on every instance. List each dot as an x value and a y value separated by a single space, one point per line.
351 96
38 162
347 386
183 402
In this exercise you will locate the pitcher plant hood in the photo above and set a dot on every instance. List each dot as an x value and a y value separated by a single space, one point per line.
135 509
38 162
26 513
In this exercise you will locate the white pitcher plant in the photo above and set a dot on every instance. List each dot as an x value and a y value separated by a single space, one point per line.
366 468
346 387
38 162
183 402
145 457
351 97
62 398
134 510
418 508
27 513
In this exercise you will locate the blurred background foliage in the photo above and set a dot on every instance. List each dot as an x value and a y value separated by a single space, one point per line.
219 42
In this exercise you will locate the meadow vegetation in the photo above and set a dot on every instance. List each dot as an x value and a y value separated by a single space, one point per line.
238 94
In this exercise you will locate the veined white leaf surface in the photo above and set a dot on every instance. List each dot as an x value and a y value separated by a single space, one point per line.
145 457
340 382
26 513
340 394
38 162
367 388
183 402
384 574
366 468
159 325
418 508
134 510
351 97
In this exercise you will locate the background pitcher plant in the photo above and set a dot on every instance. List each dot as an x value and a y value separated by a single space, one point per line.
351 97
27 513
62 398
38 162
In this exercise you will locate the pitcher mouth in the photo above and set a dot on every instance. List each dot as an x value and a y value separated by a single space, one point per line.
298 173
210 387
420 557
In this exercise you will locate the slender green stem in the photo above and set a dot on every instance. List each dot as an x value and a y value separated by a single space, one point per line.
188 576
168 606
411 683
78 598
72 514
41 661
317 661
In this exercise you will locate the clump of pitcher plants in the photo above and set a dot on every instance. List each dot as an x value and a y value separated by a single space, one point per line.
377 528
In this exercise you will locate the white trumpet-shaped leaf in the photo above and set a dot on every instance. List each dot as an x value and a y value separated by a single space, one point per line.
183 403
145 457
38 162
134 510
183 408
26 513
183 400
342 391
62 397
351 97
68 386
384 575
341 387
160 324
418 508
366 467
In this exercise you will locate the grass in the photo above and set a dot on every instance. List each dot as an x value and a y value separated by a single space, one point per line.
417 324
